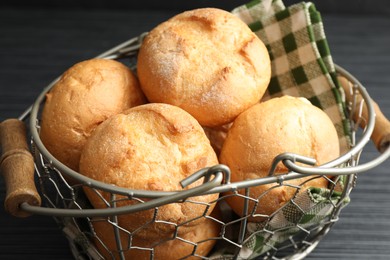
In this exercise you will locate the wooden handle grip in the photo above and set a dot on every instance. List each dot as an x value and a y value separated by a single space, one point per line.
381 133
17 167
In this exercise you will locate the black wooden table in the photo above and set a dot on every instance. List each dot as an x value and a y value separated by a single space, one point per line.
37 45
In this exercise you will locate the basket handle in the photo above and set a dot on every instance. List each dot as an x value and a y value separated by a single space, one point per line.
17 168
381 134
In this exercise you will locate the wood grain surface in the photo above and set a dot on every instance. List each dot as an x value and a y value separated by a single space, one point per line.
36 45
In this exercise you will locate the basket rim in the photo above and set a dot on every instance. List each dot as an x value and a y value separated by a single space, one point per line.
221 173
34 128
131 47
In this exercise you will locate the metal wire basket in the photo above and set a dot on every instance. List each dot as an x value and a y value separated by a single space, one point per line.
66 202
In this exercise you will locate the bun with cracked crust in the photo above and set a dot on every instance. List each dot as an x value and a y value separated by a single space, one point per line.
270 128
86 94
206 61
150 147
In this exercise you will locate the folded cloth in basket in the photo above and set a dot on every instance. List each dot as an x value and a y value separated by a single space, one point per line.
300 58
294 222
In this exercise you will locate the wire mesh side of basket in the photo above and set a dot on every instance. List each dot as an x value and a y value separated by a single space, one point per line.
232 233
78 219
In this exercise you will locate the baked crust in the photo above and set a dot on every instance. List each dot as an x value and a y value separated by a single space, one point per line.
206 61
276 126
87 94
150 147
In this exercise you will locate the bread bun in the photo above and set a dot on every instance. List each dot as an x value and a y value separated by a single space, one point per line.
150 147
198 241
87 94
276 126
206 61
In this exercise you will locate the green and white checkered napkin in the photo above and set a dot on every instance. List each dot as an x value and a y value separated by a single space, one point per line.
301 66
300 57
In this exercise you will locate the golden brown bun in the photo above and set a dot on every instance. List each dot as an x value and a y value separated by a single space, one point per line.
165 247
206 61
268 129
150 147
87 94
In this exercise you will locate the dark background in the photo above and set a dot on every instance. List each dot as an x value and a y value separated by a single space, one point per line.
40 39
333 6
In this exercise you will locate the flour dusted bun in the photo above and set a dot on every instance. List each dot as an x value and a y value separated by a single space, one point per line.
87 94
206 61
150 147
276 126
166 246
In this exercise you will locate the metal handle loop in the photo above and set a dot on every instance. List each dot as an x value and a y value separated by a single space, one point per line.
361 168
